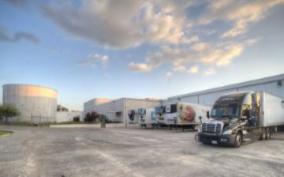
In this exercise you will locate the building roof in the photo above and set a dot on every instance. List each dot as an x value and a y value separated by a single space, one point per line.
28 85
265 80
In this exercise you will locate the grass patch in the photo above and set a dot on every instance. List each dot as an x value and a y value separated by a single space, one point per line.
2 132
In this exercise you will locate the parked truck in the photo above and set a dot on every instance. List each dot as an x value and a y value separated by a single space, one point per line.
184 114
239 117
147 117
133 117
160 110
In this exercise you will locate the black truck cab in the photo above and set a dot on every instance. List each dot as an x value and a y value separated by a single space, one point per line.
233 119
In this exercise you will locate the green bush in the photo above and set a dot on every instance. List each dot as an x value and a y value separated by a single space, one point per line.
76 119
92 117
8 111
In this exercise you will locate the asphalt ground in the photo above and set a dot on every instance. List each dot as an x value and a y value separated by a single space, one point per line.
119 152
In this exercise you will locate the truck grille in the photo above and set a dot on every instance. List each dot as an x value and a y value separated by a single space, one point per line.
211 128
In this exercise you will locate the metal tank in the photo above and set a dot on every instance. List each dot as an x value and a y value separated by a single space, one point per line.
36 104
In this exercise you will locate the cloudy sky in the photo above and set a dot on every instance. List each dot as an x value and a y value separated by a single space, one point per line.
138 48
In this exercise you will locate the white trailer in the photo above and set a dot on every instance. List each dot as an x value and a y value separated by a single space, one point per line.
185 114
272 110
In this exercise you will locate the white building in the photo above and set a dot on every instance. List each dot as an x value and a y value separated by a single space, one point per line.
117 110
273 85
89 105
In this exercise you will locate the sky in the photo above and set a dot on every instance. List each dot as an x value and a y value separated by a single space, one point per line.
138 48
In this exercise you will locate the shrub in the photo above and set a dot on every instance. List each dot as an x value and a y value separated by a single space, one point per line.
8 111
76 119
91 117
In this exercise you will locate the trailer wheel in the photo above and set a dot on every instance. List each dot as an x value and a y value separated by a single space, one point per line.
238 140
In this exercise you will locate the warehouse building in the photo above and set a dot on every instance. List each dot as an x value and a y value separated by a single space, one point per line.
36 104
273 85
91 104
117 110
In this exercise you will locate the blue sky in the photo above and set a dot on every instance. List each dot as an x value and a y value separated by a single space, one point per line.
87 49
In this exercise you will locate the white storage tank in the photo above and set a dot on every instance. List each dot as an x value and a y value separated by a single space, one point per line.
36 104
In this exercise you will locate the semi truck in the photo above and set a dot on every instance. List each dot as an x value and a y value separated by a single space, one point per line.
184 114
160 110
242 117
147 117
133 117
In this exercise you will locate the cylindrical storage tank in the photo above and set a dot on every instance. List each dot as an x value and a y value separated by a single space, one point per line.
36 104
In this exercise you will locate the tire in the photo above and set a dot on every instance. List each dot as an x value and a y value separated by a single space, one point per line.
238 140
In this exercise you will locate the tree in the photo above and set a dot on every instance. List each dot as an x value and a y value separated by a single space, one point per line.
8 111
61 108
91 117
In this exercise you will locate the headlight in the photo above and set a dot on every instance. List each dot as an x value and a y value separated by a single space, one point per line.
228 132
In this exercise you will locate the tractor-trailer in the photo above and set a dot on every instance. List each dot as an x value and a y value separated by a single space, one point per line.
184 114
147 117
240 117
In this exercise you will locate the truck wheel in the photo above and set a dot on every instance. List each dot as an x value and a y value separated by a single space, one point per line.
238 140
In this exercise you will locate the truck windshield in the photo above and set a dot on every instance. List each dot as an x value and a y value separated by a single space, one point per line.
173 108
229 111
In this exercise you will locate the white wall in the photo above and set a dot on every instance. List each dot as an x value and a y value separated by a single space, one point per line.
67 116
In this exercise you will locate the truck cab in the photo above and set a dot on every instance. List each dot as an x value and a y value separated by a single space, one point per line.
160 112
234 118
147 117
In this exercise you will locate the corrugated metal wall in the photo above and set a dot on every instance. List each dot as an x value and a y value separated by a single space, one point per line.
209 98
35 104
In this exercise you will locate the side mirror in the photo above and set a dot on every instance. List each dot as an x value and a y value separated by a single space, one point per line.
200 118
208 114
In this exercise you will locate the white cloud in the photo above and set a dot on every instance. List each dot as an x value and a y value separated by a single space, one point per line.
183 59
93 59
200 46
193 70
169 74
105 22
222 56
240 13
190 40
139 67
122 24
181 40
209 71
160 26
